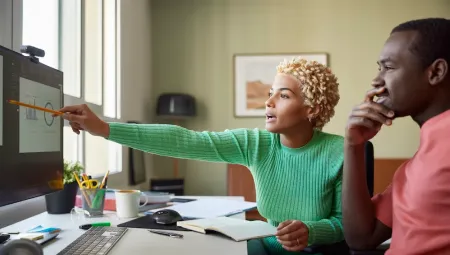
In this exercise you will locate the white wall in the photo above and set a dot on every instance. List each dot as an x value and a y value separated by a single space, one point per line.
136 75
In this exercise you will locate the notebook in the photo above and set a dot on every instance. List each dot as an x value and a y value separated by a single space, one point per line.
39 234
236 229
210 208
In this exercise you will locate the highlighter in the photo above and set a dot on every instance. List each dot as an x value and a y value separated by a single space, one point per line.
98 224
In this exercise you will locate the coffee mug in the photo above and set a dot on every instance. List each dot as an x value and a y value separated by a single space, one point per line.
127 203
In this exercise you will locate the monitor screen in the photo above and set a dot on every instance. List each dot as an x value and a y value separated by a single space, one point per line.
31 155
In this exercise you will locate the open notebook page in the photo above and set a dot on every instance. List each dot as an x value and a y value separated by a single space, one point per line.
236 229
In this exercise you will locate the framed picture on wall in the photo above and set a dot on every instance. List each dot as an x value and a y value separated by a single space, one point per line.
253 77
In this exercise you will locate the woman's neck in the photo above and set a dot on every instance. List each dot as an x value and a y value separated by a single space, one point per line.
297 139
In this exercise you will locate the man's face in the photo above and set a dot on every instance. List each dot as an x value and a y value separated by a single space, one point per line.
406 85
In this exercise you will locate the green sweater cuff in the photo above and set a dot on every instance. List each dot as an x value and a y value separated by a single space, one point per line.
118 131
326 231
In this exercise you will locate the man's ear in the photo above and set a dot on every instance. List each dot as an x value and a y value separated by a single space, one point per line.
438 70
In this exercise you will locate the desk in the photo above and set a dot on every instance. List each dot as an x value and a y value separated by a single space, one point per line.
135 241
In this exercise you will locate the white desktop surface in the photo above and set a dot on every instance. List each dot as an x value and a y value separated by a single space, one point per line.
135 241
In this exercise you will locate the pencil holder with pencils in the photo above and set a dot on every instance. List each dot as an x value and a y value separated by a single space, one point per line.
93 201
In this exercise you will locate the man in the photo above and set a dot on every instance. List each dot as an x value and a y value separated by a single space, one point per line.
413 80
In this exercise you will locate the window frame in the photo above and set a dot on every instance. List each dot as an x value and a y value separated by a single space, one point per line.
74 100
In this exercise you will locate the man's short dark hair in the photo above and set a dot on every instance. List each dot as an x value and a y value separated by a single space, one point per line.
433 41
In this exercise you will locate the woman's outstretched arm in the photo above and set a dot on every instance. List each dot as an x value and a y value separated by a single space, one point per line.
237 146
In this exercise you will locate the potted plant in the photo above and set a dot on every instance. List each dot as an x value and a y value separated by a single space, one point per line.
63 201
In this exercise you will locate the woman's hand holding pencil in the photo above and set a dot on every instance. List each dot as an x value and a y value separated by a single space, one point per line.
55 113
81 118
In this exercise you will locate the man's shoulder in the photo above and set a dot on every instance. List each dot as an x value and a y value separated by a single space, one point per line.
436 128
435 139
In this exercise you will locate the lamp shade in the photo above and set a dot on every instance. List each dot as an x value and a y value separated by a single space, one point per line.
176 106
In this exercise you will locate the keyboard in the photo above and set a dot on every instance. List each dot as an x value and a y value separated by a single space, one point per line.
96 240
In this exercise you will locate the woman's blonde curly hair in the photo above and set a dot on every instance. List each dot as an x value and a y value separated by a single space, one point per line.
318 84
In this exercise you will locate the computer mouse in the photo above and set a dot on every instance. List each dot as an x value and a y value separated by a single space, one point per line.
166 216
4 238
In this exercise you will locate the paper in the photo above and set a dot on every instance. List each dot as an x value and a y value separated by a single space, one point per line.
210 208
39 131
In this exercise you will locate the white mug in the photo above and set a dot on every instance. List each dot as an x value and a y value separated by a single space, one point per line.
127 203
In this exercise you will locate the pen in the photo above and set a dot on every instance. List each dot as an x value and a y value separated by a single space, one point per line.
98 224
169 234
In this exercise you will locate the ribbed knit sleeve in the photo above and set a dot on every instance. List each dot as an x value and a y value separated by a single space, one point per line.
237 146
328 230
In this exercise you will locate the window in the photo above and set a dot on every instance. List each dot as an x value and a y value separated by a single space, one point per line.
72 145
109 59
81 38
93 39
40 28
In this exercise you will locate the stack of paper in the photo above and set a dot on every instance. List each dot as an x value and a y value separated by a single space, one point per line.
210 208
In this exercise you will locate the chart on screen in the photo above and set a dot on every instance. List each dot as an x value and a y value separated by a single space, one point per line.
2 101
39 130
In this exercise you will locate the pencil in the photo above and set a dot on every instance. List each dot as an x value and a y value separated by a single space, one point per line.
78 180
35 107
104 180
82 190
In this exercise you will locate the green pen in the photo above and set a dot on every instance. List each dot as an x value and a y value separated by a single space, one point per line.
97 224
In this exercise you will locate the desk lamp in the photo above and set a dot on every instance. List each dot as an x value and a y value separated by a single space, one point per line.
174 107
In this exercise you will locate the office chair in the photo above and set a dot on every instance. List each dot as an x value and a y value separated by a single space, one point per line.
341 248
370 182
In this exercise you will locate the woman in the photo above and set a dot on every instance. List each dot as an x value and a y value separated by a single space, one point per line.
296 167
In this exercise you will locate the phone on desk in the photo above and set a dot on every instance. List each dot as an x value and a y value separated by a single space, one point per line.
162 205
151 207
182 200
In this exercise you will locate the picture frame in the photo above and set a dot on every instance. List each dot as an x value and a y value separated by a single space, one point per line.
253 75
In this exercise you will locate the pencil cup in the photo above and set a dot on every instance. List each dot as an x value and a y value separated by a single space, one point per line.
93 201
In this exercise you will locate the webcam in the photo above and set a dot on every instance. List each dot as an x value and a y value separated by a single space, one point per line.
33 52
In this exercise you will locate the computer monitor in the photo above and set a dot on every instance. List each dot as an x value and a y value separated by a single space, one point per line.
31 141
